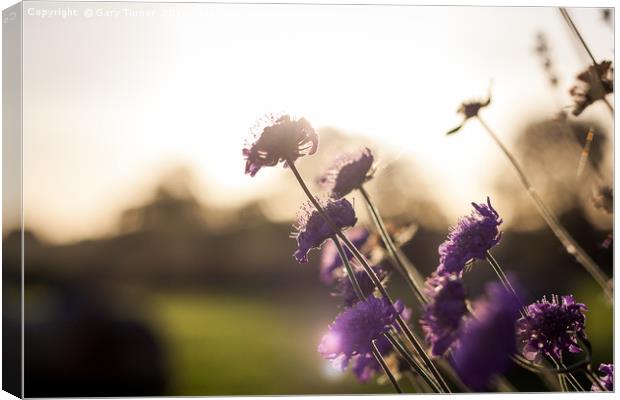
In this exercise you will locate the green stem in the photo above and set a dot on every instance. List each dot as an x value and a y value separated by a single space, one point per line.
571 246
504 279
407 357
386 369
407 269
373 277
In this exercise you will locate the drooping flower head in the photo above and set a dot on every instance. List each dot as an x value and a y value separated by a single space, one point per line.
364 365
278 139
345 287
331 263
312 229
607 379
353 330
470 239
592 84
488 338
551 327
348 172
444 313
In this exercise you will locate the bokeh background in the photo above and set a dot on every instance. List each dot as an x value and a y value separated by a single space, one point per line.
154 266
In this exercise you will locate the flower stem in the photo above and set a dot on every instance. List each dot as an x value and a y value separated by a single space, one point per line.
571 246
386 369
406 268
373 277
504 279
360 296
407 357
347 266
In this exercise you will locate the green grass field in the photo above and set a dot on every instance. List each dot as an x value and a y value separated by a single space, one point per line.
220 345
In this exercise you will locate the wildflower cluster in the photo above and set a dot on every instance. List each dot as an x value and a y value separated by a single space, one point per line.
478 338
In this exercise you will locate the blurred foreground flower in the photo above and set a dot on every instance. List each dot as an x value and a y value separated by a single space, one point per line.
330 259
353 330
348 172
607 380
278 139
593 84
443 314
312 229
470 239
551 327
488 339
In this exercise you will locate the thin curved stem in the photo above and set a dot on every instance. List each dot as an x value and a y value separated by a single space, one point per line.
407 269
350 273
569 243
373 277
504 279
386 369
407 357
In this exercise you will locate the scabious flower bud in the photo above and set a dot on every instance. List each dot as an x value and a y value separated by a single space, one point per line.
278 139
488 338
470 239
607 380
348 172
330 266
312 229
444 313
551 327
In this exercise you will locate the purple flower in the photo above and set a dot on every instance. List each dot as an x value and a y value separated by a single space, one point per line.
348 172
364 365
330 259
470 239
488 338
443 314
550 327
345 287
279 138
607 379
353 330
313 229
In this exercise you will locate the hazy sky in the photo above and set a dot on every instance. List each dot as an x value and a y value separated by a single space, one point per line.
115 93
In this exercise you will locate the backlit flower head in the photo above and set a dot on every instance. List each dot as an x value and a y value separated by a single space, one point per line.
312 229
345 287
607 378
592 84
279 138
353 330
551 327
330 265
470 109
470 239
364 365
348 172
444 313
488 338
